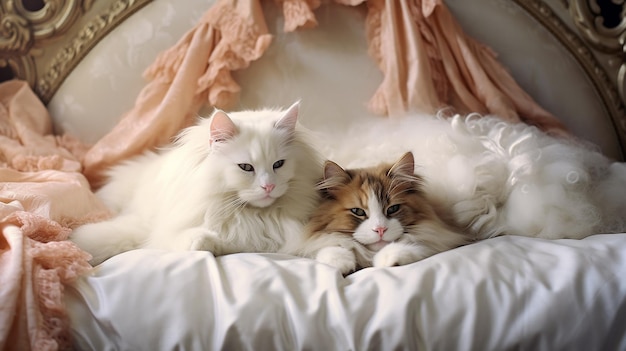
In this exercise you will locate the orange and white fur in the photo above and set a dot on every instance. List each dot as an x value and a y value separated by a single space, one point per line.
377 216
237 182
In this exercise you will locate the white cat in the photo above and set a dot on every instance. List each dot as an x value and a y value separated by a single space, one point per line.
237 182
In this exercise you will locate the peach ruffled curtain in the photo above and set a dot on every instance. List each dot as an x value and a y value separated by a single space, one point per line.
428 63
194 72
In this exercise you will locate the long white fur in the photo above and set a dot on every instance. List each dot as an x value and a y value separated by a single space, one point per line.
188 196
497 177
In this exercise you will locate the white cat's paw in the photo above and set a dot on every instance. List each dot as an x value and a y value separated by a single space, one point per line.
396 254
204 240
338 257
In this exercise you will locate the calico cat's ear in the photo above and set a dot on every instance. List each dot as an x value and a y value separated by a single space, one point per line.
222 127
405 165
290 118
334 175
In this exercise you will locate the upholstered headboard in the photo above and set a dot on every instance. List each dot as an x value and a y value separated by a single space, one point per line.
85 58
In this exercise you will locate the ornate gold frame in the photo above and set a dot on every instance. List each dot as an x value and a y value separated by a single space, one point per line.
599 51
589 20
43 45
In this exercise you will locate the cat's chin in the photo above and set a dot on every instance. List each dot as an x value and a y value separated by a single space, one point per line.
377 245
263 202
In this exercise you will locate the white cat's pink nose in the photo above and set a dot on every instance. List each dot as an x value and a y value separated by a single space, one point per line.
381 230
268 187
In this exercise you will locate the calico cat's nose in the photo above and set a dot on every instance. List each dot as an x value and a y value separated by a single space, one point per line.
381 231
268 187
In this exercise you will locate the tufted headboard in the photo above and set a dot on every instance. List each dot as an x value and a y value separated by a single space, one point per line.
84 59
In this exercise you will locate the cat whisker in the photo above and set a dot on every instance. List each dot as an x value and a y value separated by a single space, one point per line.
232 205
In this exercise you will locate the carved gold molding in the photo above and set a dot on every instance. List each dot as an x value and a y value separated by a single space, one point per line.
612 97
590 21
42 45
20 27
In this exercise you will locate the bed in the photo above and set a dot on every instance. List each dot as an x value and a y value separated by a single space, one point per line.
84 62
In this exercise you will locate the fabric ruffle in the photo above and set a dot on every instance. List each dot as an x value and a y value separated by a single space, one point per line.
38 260
299 14
430 64
238 35
194 72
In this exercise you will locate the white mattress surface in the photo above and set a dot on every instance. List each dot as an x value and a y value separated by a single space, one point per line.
504 293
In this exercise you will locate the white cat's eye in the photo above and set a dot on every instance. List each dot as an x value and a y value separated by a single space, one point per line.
278 164
358 211
392 209
246 167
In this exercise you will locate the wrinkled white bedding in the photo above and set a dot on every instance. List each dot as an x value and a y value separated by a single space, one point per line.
503 293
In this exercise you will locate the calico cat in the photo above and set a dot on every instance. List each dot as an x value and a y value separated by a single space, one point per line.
377 216
237 182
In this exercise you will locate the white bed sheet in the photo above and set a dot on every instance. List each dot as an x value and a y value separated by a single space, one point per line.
504 293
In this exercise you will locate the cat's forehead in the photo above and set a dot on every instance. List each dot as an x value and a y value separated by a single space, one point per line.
254 147
256 118
260 127
353 194
362 186
373 179
376 183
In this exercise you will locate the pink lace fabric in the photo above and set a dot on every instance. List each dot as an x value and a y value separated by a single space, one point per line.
196 71
43 195
430 64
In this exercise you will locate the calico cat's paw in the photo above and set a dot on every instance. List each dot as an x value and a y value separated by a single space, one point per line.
338 257
397 254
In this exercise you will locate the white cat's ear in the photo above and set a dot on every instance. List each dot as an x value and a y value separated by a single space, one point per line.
222 127
405 165
334 175
290 118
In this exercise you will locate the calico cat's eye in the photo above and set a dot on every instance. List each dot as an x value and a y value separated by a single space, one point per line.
358 211
278 164
392 209
246 167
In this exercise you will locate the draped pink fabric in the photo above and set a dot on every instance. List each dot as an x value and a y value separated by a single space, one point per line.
408 58
196 71
43 194
428 62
